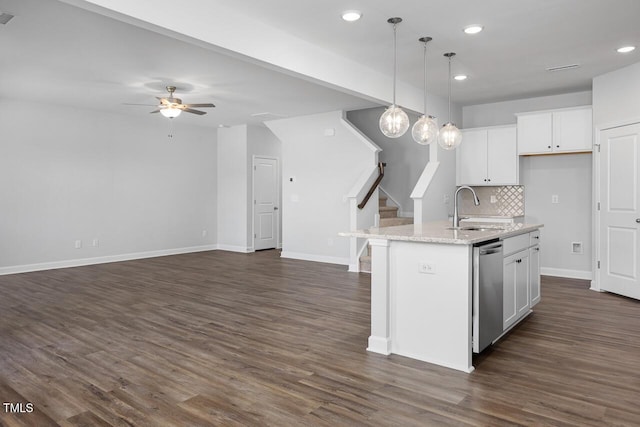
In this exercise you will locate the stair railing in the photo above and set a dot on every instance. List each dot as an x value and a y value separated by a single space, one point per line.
374 185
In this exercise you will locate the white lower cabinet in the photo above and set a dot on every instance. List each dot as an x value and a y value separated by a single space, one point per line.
516 287
534 275
521 276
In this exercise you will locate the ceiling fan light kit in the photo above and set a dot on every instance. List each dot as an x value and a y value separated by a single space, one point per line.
171 107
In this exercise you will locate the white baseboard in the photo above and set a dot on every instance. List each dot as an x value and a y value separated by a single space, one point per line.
315 258
233 248
102 260
569 274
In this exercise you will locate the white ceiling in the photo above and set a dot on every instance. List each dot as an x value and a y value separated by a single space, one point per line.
55 52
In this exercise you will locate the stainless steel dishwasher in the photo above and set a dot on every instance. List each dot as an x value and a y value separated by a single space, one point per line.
487 294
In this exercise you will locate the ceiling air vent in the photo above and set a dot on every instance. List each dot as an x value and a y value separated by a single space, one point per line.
563 67
5 17
267 116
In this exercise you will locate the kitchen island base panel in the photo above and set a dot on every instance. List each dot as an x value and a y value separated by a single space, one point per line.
430 312
422 315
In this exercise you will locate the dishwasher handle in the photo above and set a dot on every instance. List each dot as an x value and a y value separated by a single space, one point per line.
491 249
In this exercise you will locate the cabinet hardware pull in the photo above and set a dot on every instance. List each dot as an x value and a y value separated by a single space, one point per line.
638 220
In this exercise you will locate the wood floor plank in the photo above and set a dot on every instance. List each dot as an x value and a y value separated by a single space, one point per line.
220 338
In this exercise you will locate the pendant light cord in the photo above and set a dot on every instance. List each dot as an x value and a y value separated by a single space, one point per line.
425 78
395 62
450 89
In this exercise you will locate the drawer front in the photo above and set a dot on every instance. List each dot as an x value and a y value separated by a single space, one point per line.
514 244
534 237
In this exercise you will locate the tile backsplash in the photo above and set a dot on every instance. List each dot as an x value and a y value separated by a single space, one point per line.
500 201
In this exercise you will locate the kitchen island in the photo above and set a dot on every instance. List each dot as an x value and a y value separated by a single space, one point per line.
422 286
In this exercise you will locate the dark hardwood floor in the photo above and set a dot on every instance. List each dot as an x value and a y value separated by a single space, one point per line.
219 338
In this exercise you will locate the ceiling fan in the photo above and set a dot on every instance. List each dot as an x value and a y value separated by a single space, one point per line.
172 107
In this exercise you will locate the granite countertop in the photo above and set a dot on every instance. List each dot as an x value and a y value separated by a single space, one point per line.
440 232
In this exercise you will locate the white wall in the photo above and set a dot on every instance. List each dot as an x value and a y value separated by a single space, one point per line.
323 169
406 159
502 113
72 174
233 189
568 176
615 97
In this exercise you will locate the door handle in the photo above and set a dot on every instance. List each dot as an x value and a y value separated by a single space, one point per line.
275 208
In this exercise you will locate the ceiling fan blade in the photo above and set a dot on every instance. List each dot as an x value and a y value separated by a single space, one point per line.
145 105
209 105
163 101
189 110
154 111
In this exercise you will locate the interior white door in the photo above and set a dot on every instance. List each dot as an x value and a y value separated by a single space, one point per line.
619 214
265 200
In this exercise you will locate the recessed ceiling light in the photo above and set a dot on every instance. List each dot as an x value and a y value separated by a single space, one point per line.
626 49
460 77
351 15
473 29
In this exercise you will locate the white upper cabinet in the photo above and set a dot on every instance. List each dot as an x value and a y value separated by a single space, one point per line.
487 156
560 131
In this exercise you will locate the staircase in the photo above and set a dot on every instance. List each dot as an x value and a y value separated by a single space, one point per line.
388 217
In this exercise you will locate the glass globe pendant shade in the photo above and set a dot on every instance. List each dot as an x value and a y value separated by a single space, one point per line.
449 136
170 112
394 122
425 130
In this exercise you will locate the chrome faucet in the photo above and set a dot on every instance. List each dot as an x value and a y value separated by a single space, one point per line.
476 201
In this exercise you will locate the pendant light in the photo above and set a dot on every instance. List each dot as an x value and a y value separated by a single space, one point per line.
449 136
394 122
425 130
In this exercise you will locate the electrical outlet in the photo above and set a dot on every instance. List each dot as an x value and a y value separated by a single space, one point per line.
78 244
204 233
555 199
95 243
329 241
576 247
426 268
445 199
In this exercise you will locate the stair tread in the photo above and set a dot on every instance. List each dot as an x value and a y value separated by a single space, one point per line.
388 222
388 208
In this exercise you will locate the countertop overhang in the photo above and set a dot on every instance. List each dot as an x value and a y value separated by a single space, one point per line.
441 232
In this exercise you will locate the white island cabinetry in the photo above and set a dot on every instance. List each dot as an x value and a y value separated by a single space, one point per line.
422 295
521 277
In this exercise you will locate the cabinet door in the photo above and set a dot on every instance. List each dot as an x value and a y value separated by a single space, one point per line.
522 284
472 158
534 276
509 275
535 133
515 287
572 130
502 156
